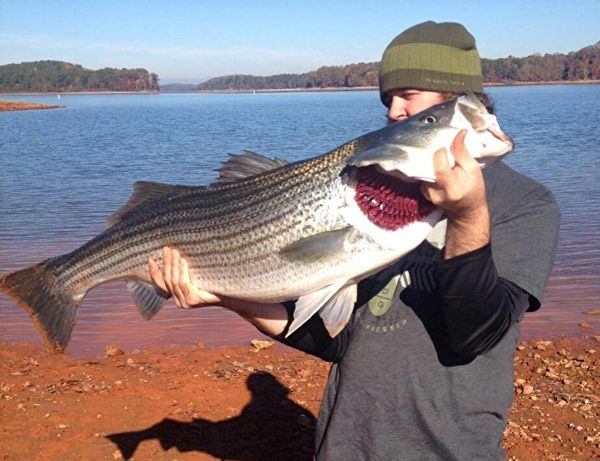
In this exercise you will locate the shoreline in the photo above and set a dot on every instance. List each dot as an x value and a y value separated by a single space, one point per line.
57 93
375 88
252 402
286 90
100 324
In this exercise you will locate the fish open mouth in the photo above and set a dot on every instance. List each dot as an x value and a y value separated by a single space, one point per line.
387 201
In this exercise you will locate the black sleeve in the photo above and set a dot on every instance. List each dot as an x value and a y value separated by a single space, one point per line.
313 338
478 306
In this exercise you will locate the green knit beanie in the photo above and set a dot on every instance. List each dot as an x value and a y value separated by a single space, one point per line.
430 56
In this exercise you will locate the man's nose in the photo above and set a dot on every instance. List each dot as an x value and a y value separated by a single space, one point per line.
396 110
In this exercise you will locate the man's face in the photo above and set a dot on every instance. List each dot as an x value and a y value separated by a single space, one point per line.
406 102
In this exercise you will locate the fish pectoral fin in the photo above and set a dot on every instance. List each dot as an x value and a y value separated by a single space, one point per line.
319 247
148 299
143 193
337 311
307 305
245 165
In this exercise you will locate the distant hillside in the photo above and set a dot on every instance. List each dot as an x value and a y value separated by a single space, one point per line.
351 75
575 66
251 82
58 76
178 87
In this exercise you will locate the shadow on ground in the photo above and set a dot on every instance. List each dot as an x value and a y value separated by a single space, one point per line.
270 427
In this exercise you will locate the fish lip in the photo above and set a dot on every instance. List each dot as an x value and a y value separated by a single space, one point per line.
502 136
506 140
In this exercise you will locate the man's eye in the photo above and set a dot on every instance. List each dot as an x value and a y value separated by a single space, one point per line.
429 119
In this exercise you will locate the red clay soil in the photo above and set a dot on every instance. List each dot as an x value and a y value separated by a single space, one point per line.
254 403
12 105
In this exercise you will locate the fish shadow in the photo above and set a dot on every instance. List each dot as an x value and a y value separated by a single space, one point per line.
270 427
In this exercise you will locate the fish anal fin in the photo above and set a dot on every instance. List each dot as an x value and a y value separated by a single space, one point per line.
148 299
245 165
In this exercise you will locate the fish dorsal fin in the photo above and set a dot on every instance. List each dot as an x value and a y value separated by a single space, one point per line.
247 164
144 192
148 299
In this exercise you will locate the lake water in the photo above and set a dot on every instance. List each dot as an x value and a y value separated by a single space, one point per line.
63 171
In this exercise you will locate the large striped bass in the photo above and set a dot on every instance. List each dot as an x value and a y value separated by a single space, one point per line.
269 231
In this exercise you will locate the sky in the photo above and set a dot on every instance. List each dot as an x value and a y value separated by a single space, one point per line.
191 41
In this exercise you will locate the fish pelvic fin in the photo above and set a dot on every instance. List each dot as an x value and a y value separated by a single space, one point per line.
52 308
144 192
148 299
336 302
245 165
337 311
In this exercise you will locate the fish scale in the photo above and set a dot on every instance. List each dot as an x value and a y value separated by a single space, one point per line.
190 218
268 232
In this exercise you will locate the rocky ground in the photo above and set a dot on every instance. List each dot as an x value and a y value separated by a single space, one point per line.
12 105
253 403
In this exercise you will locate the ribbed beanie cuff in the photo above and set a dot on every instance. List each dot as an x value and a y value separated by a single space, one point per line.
431 56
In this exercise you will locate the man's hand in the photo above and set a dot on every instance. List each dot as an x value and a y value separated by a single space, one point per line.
460 191
175 280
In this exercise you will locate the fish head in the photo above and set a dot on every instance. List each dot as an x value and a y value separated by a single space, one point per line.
384 181
406 148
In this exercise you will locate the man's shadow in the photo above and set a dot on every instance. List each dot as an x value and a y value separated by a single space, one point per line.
271 426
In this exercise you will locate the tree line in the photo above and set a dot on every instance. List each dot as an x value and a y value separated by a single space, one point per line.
58 76
351 75
577 65
574 66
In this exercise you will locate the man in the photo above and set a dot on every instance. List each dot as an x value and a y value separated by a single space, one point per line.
424 370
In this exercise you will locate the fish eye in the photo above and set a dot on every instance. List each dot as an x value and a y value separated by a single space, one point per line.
429 119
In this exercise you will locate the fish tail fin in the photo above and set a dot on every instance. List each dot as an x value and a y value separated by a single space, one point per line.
52 308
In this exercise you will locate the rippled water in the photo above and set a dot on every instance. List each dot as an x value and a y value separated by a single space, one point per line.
63 171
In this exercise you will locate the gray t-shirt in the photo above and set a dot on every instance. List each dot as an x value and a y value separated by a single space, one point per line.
398 392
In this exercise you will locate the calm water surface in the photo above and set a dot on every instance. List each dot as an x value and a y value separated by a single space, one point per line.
63 171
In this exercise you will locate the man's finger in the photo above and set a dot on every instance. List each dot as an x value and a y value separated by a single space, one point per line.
178 290
185 278
156 274
174 267
168 262
185 283
440 163
459 150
